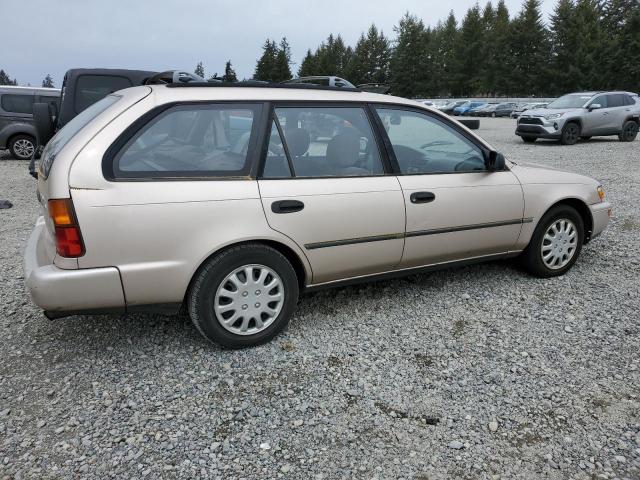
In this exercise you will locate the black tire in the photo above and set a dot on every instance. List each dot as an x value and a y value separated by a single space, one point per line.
531 258
205 284
22 147
585 139
570 134
529 139
629 131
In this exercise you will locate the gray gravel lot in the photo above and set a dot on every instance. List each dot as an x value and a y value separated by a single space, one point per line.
480 372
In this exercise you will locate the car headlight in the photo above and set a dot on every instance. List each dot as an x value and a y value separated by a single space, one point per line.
601 193
551 116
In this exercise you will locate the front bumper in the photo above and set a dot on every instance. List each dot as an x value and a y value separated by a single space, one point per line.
539 127
600 213
57 290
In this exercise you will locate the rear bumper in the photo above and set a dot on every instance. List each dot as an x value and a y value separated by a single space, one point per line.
601 213
57 290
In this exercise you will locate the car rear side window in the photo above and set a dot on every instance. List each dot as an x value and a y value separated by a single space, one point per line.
16 103
329 141
276 164
91 88
190 141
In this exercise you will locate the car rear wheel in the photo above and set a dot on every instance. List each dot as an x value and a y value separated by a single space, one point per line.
22 147
629 131
570 134
556 243
244 296
529 139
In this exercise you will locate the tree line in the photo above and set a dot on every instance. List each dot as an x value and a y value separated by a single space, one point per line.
588 44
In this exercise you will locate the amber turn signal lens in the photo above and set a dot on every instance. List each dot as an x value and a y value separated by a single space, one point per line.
601 193
60 212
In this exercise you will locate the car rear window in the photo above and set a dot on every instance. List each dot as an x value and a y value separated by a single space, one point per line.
60 139
16 103
91 88
204 140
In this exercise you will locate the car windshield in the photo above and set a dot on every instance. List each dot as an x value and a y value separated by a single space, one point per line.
570 101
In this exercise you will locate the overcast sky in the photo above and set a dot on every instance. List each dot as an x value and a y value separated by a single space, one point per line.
51 36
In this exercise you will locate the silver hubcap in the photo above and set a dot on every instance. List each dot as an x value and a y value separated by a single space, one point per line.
249 299
559 244
24 148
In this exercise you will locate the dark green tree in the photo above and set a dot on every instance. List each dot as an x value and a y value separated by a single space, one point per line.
199 70
468 50
530 51
266 65
308 67
408 68
500 56
621 56
282 69
48 82
229 73
487 65
444 50
6 80
564 71
370 61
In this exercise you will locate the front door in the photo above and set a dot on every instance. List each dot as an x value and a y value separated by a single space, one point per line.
456 209
326 188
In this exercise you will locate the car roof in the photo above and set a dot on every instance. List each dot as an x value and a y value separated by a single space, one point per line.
169 93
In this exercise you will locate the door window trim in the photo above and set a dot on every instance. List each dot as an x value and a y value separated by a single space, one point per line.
257 132
446 121
382 151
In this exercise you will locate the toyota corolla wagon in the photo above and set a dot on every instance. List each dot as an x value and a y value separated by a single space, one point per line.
233 199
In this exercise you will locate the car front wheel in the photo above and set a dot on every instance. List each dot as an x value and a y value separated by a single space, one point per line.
244 296
22 147
556 243
629 131
570 134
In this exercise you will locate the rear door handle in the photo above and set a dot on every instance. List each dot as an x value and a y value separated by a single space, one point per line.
287 206
422 197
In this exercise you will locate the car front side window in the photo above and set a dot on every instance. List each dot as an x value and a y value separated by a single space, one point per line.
423 144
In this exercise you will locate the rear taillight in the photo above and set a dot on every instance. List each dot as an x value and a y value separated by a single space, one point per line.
68 238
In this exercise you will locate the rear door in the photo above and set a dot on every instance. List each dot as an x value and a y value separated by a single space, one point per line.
456 209
620 110
324 184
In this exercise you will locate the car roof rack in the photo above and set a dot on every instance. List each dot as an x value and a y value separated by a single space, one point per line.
261 84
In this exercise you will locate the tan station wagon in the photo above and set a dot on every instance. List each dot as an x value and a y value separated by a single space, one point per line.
233 199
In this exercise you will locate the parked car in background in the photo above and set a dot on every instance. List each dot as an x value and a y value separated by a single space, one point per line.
495 110
466 106
523 107
17 129
217 197
448 107
583 115
480 111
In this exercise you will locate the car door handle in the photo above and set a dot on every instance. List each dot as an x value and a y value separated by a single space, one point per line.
287 206
422 197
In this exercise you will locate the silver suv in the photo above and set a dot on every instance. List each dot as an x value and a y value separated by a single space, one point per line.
583 115
231 200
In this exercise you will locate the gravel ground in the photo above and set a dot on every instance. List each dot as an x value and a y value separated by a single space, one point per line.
480 372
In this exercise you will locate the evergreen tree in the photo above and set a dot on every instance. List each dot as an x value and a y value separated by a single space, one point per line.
447 38
308 67
48 82
199 70
469 54
588 44
563 47
265 67
487 64
530 51
370 61
501 59
229 73
6 80
408 60
332 57
282 70
621 55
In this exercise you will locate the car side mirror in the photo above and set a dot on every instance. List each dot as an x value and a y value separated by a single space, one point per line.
494 161
594 106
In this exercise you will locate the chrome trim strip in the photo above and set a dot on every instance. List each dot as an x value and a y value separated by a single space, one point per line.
416 233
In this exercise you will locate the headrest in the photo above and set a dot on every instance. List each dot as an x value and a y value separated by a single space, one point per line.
298 141
344 149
